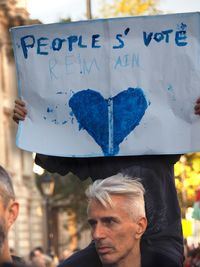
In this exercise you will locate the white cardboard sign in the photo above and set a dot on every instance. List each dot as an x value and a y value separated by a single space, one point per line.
124 86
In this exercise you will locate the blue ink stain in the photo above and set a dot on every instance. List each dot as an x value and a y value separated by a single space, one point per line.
44 117
55 121
59 93
91 112
72 117
80 127
49 109
170 88
126 31
71 92
64 122
182 26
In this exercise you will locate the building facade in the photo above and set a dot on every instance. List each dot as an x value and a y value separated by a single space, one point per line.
28 229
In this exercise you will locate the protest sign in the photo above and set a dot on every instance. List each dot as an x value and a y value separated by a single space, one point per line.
123 86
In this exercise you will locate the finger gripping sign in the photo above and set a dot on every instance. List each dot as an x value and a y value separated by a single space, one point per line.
112 87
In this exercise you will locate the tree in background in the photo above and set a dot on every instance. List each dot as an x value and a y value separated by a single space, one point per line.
64 20
119 8
187 179
69 194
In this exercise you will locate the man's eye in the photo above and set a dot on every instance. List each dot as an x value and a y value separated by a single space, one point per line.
109 221
92 223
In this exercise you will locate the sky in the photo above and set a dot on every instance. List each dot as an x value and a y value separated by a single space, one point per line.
51 11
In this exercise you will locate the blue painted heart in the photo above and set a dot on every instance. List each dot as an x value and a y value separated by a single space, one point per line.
109 121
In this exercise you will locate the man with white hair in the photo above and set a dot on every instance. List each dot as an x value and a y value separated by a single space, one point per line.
9 208
116 214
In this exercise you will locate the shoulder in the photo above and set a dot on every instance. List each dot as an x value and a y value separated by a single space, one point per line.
84 258
18 260
154 259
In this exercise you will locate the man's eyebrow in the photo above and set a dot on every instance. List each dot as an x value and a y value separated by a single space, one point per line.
104 219
109 218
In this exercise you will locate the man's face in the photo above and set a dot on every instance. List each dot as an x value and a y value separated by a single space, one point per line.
113 230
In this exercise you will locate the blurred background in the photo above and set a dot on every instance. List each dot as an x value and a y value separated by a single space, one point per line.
52 215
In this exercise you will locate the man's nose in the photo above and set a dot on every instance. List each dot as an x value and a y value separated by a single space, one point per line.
98 232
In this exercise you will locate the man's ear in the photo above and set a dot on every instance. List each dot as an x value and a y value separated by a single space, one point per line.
13 211
141 227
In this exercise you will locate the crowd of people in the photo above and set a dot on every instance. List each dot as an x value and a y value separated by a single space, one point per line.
38 258
192 256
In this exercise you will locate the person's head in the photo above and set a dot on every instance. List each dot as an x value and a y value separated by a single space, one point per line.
116 213
8 208
39 250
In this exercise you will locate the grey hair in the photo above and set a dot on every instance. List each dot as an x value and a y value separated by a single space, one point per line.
6 187
131 188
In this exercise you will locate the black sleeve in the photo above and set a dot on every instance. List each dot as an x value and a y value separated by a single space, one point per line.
64 165
100 167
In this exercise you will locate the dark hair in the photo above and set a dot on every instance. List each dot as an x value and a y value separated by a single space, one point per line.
6 187
39 249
